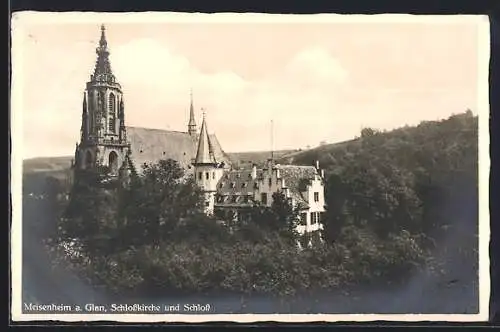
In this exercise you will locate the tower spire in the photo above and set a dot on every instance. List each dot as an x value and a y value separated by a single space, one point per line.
102 71
205 151
272 140
192 122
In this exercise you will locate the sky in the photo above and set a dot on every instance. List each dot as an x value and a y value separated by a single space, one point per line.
317 81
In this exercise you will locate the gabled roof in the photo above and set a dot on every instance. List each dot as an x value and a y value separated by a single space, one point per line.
297 177
151 145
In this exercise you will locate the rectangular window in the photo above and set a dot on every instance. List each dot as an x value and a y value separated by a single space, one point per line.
207 203
270 182
263 198
213 175
207 175
199 175
316 197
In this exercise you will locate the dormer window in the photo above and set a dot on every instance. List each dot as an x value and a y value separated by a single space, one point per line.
221 185
232 184
244 185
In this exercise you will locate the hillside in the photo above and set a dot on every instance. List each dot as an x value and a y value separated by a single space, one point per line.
46 164
246 159
422 179
58 164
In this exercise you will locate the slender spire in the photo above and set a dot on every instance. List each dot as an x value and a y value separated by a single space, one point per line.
192 122
102 71
272 140
204 154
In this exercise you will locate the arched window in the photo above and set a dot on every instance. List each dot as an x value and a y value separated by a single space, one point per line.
112 112
113 161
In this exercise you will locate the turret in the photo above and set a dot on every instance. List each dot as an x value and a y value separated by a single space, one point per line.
207 170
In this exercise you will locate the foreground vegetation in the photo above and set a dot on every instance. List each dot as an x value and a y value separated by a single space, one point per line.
391 199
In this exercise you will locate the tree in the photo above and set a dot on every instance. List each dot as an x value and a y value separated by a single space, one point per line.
280 219
162 199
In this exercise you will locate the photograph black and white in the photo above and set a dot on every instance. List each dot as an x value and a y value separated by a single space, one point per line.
172 167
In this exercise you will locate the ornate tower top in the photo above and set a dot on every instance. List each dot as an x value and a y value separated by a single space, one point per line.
102 71
205 152
192 122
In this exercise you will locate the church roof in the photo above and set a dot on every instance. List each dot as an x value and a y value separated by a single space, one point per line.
151 145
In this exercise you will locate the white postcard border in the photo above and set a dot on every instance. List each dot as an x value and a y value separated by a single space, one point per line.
30 17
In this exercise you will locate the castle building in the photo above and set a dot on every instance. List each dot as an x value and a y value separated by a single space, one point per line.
107 142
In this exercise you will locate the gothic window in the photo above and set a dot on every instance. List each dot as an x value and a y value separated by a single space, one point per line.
113 161
112 112
316 197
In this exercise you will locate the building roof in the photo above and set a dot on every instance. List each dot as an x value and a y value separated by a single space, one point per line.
151 145
236 188
234 185
205 150
297 177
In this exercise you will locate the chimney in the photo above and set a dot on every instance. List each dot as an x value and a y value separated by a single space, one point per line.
254 172
317 164
322 173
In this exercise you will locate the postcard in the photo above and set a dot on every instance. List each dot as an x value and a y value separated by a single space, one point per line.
191 167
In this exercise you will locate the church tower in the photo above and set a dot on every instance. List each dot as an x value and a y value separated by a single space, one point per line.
103 140
206 169
192 123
